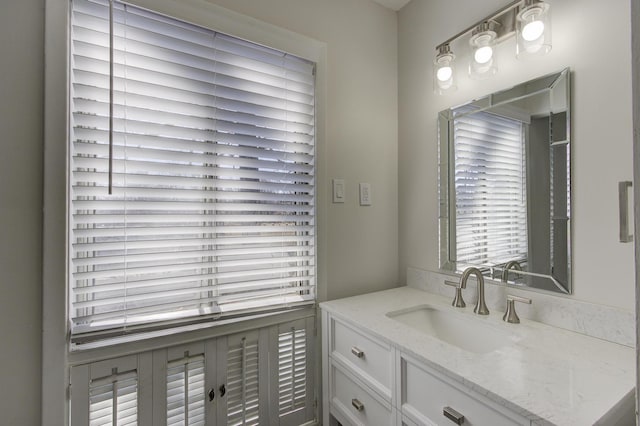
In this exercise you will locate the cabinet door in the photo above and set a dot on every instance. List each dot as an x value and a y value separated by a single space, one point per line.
291 372
184 380
116 391
243 369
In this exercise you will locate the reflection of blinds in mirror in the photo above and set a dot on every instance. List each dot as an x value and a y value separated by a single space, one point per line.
490 185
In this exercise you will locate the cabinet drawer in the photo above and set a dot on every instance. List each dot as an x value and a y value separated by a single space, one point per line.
354 403
370 360
425 395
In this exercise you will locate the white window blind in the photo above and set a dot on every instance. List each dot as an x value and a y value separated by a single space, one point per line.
186 391
490 185
210 150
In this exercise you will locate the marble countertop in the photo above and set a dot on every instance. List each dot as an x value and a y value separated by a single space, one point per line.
546 374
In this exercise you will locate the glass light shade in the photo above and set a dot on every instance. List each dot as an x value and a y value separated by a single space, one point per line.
444 80
533 30
483 59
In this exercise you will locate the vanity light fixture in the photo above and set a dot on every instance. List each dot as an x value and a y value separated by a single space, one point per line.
444 70
483 57
533 29
528 20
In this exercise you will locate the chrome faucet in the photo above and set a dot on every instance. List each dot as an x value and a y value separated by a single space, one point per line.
510 314
512 264
481 306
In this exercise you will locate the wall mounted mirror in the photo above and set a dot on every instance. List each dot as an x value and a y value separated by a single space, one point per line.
505 187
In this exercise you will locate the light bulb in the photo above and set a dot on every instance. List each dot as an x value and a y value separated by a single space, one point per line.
483 62
444 73
533 30
533 26
483 54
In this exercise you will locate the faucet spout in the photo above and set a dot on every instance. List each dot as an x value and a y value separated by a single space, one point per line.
512 264
481 306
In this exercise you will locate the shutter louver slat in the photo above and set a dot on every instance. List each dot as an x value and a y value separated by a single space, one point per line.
213 204
490 188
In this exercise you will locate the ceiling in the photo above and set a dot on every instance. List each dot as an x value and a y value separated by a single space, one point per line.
392 4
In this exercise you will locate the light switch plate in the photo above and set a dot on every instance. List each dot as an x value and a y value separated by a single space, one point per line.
339 191
365 194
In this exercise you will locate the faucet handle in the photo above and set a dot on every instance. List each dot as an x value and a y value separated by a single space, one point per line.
510 315
458 301
518 299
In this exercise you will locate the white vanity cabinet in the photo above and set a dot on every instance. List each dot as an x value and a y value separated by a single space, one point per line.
370 382
379 370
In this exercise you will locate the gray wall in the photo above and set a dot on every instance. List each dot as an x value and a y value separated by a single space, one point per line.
21 121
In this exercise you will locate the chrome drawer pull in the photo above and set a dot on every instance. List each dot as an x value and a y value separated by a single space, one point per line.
357 404
357 352
453 415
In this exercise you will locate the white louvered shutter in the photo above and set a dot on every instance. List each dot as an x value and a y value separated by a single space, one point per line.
186 391
213 207
243 380
292 370
113 392
490 185
113 400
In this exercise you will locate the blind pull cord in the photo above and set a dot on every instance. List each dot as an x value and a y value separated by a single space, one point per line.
110 97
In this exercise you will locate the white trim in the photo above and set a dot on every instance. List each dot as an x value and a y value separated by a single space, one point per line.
217 18
186 337
55 377
55 359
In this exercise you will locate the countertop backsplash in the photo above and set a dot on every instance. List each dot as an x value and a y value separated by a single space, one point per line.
603 322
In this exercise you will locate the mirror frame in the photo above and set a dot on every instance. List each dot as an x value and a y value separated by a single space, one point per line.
446 178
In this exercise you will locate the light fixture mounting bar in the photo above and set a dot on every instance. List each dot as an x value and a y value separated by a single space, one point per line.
504 20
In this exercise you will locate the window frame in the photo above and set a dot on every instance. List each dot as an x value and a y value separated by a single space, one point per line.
57 357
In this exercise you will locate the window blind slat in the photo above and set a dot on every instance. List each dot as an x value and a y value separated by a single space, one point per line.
211 155
213 201
195 243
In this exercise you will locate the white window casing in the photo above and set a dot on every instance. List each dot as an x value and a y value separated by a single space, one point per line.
72 372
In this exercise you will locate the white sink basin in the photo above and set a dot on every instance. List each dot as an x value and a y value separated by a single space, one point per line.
467 333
